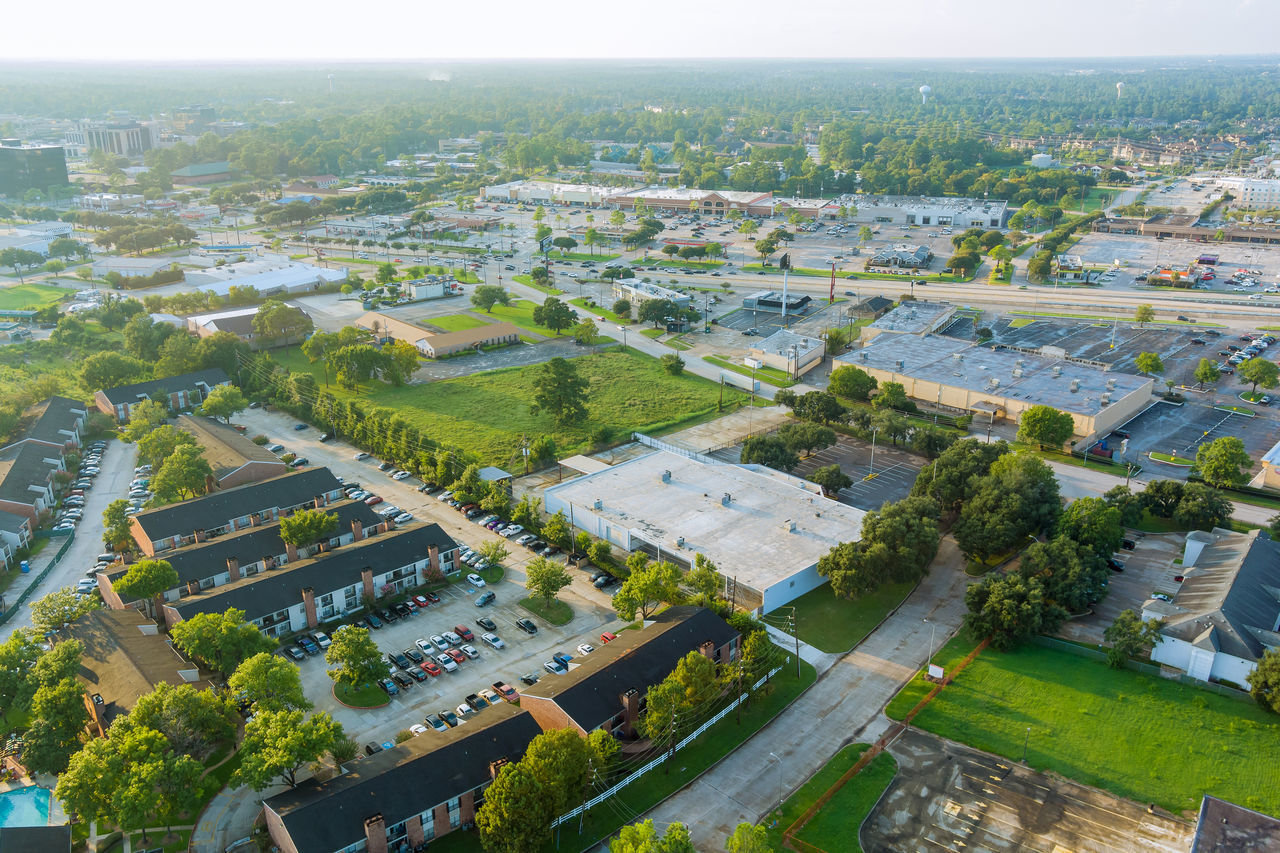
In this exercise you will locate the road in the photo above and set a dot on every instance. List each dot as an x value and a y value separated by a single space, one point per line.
842 706
113 482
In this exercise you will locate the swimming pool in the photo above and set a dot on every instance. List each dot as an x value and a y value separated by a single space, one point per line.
25 807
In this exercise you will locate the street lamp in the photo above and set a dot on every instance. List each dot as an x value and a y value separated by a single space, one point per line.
779 760
933 630
623 329
872 472
754 364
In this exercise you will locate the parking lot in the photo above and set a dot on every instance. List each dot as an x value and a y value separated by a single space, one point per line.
1148 568
523 654
1139 254
1182 429
949 797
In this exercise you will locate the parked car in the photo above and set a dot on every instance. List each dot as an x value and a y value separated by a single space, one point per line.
470 651
447 663
403 680
527 626
492 640
436 723
419 601
451 638
390 688
414 655
562 658
530 678
464 632
458 657
475 580
506 691
450 718
486 598
373 621
486 623
585 648
439 642
554 667
430 667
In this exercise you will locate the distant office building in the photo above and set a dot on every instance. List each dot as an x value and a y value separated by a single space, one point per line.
127 139
193 120
30 167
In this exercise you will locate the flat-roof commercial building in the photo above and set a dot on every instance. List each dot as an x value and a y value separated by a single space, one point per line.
1226 612
235 460
764 530
943 212
902 256
910 318
635 291
690 200
416 792
438 344
239 322
785 350
1001 383
606 689
1223 827
548 192
773 302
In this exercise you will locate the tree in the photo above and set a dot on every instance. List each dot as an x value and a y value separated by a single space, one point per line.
177 355
223 401
1149 363
560 392
18 656
469 487
1161 497
953 477
147 579
821 407
59 608
769 450
565 244
220 641
1010 609
1094 523
1144 314
557 530
545 579
145 416
1207 373
585 331
270 682
58 664
116 530
526 513
485 296
1202 508
645 589
1264 681
622 309
158 445
20 259
897 544
1223 461
1074 575
143 337
386 273
104 370
691 685
194 722
276 321
1045 426
354 657
644 837
1259 371
308 526
1129 636
831 479
58 720
517 811
852 382
495 551
672 364
278 743
554 315
184 474
893 396
656 311
748 838
1017 498
805 438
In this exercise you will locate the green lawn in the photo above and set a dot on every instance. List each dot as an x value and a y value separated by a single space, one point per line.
794 807
1141 737
520 312
601 311
558 613
918 687
1170 459
677 263
456 322
771 375
836 825
653 333
1155 524
527 281
580 256
21 297
487 413
367 696
835 625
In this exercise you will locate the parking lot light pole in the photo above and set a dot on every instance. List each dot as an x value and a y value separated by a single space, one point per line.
873 452
775 757
623 329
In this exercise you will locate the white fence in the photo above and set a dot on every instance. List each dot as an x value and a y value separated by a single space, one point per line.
658 444
636 774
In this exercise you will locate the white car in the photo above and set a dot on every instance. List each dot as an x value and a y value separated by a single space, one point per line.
422 643
400 475
322 639
467 649
418 729
447 663
403 518
440 643
493 641
475 580
452 638
361 455
512 530
586 649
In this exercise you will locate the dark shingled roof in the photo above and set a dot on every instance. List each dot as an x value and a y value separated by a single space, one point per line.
414 777
169 385
204 559
35 839
215 510
1227 828
49 417
267 592
590 693
1230 600
22 466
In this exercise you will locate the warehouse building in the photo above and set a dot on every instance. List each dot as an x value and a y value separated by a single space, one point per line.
763 529
996 384
911 318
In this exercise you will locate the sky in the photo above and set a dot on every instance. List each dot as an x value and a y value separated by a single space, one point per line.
238 30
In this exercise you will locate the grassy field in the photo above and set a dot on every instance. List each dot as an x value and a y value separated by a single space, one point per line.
771 375
836 625
601 311
558 613
368 696
527 281
20 297
677 263
456 322
580 256
1141 737
794 807
835 826
487 413
520 313
1170 459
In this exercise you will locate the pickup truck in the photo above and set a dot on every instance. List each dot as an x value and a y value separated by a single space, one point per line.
476 702
506 691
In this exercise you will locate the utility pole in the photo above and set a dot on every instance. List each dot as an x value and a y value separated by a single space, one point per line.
672 754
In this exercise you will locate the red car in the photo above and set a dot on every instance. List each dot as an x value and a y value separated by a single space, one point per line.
430 667
432 597
456 655
419 601
464 632
607 636
373 501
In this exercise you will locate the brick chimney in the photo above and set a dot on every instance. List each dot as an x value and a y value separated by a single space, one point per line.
413 831
630 712
210 484
433 558
200 535
290 552
322 500
375 834
366 577
309 605
495 767
357 530
708 650
233 568
384 526
255 519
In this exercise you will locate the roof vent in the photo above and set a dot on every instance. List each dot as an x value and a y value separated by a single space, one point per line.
1057 370
789 526
725 499
679 541
597 504
1075 385
666 476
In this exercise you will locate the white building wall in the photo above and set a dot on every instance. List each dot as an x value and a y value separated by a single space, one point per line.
784 592
1202 663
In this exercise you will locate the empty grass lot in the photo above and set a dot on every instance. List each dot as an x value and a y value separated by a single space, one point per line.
835 826
835 625
487 413
1141 737
21 297
456 322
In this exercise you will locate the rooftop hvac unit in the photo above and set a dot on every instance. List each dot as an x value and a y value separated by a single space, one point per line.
679 541
725 499
995 383
666 476
1111 385
1105 399
789 526
1075 385
899 363
1017 373
1057 371
597 504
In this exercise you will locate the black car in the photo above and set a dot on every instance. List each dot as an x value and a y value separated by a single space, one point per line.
418 674
450 718
398 659
403 680
537 545
486 623
402 610
299 427
373 621
549 551
605 582
295 652
1198 341
385 466
1128 544
1115 565
388 686
372 747
527 626
413 655
529 678
388 616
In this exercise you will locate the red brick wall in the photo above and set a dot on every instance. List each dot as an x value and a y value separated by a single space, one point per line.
279 835
547 714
